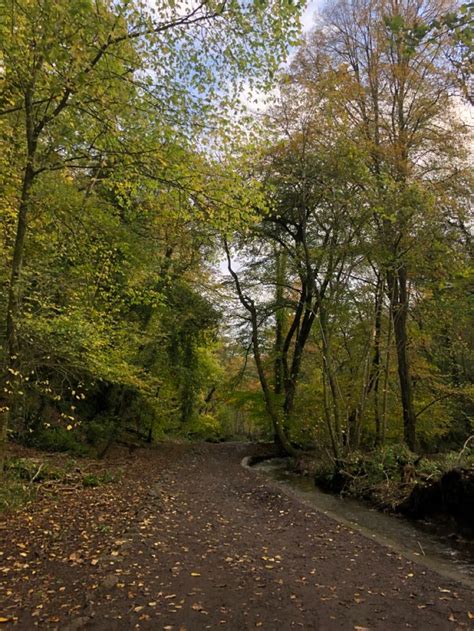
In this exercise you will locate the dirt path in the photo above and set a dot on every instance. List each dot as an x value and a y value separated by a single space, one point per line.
189 540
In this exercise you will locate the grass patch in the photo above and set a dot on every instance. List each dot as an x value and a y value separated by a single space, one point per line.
33 470
91 480
14 494
59 439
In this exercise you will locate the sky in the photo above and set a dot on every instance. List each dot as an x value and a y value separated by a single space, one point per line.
307 19
255 100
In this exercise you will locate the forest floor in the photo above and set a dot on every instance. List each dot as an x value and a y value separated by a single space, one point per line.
187 539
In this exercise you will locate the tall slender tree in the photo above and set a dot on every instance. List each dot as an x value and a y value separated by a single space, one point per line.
396 94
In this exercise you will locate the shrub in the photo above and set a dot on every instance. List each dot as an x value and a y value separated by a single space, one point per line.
91 480
99 429
27 469
205 427
58 439
14 494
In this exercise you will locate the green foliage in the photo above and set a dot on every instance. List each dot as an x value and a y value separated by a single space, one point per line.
381 477
368 469
205 427
118 148
58 439
436 466
92 480
98 430
14 495
106 153
385 462
243 415
32 470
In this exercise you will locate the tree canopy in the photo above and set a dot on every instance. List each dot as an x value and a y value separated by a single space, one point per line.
130 172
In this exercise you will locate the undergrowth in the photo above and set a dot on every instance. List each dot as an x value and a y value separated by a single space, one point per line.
387 474
14 494
24 476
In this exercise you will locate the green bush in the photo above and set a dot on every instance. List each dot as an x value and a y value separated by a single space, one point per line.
429 468
99 429
27 469
204 427
59 439
91 480
14 494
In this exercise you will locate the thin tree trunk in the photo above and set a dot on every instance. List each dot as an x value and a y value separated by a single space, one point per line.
282 440
279 370
291 381
370 381
328 369
327 414
383 417
397 284
377 357
13 302
279 320
248 304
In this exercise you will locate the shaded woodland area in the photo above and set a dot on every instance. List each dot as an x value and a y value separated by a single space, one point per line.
174 266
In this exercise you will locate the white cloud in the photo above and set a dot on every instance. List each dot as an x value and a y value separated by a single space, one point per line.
307 18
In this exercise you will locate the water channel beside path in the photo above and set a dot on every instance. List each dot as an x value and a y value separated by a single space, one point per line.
424 542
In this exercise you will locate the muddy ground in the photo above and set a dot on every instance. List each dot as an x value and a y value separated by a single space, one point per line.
187 539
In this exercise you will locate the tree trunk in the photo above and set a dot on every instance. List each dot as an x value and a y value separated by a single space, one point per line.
11 381
374 380
397 284
292 379
279 320
279 334
383 416
329 375
281 441
327 413
371 381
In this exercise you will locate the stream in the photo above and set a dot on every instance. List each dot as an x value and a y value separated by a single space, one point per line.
427 543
